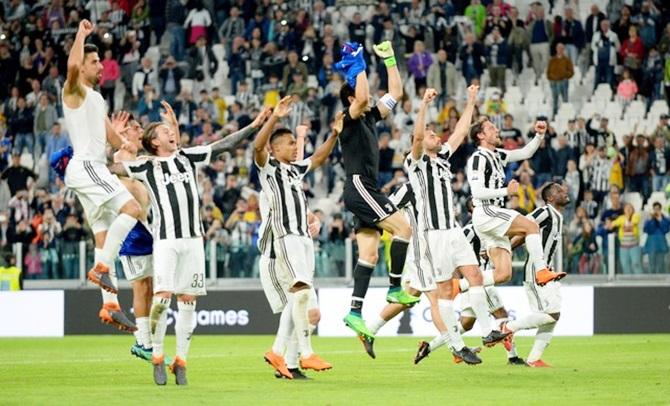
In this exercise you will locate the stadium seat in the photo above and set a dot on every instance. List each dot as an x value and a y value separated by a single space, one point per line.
635 199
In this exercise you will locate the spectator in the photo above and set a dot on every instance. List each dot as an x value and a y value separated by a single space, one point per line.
472 57
174 17
593 23
497 19
648 20
385 160
627 89
111 72
583 251
294 66
442 77
419 64
664 42
561 158
605 45
17 175
477 14
590 205
541 35
498 55
496 108
526 193
357 29
232 28
576 139
660 164
45 117
632 54
146 75
630 253
638 167
652 76
226 197
47 234
600 136
656 246
71 234
199 21
33 97
511 136
204 63
599 180
518 41
56 141
559 71
572 180
622 26
21 127
149 105
573 33
169 76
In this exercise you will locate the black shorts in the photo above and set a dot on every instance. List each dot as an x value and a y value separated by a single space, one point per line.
369 206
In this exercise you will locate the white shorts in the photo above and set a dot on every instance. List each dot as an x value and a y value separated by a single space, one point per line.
276 285
295 258
179 266
100 192
544 299
493 300
448 250
418 269
491 224
137 267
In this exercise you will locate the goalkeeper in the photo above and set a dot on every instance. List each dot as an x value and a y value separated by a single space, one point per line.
373 211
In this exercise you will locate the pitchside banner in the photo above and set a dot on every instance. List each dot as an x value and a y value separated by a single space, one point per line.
576 314
32 313
220 312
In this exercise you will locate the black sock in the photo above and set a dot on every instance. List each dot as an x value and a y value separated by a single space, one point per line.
398 256
362 273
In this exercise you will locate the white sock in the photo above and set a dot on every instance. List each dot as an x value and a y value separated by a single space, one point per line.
184 327
487 275
376 324
438 341
106 296
292 352
464 284
285 329
158 321
530 321
447 312
512 352
481 309
542 340
116 233
301 322
535 251
143 333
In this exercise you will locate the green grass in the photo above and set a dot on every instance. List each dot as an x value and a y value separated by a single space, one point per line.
632 369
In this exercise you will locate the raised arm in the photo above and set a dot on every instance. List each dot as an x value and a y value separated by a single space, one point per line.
362 96
76 59
529 149
115 128
321 154
261 141
395 92
231 141
463 125
300 135
420 125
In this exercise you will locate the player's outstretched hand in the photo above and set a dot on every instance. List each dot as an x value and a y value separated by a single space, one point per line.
261 117
512 187
473 91
168 115
384 50
86 27
301 131
541 127
120 121
429 95
314 225
283 108
338 123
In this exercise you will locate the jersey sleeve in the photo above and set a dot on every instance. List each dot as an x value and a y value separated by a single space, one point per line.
539 215
138 169
198 156
402 196
476 174
411 164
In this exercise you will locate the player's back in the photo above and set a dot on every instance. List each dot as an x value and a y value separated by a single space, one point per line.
86 127
360 146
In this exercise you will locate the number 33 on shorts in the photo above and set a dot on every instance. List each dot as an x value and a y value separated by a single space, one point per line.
198 280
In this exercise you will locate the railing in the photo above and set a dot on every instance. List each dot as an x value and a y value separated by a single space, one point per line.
232 266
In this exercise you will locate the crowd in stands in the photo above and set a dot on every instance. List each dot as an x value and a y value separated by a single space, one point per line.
589 68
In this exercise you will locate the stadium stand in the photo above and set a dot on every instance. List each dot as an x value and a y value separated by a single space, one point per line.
218 61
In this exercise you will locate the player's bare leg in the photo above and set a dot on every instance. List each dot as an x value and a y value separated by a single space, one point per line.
110 312
184 330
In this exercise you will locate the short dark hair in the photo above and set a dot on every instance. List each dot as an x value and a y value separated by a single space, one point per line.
89 48
345 92
476 129
548 190
148 136
657 204
278 133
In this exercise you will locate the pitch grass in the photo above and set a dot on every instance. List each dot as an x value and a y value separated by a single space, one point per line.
632 369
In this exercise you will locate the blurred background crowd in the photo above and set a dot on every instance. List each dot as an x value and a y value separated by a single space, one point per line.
599 71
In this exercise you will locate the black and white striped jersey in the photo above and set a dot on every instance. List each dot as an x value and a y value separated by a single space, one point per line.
282 184
550 221
601 170
403 198
473 240
487 168
264 242
173 190
431 181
